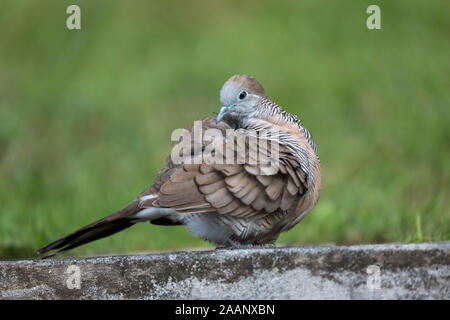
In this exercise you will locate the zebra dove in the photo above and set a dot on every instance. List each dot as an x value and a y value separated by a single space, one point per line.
263 188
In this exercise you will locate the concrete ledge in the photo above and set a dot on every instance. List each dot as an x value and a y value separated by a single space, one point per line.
387 271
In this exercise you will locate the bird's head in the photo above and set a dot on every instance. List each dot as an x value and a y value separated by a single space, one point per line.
239 97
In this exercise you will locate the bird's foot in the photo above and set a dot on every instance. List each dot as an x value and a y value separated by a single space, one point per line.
235 244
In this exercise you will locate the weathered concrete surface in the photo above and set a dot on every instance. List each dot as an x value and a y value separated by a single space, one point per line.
406 271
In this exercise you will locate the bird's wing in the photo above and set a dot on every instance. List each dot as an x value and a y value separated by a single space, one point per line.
253 184
245 188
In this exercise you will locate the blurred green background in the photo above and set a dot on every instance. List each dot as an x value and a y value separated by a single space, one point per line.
86 115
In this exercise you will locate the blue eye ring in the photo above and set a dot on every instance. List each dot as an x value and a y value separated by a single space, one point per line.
242 95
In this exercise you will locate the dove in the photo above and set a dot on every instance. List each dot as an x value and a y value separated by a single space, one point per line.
242 190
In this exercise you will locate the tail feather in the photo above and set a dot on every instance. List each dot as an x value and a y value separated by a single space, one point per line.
99 229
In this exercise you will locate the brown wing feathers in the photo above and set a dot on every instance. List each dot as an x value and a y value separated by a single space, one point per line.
238 189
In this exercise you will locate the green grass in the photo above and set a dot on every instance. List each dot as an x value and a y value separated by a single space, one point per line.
86 116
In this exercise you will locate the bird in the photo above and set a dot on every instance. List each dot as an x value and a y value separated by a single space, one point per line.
264 188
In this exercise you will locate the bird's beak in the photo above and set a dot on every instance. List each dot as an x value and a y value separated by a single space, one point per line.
224 111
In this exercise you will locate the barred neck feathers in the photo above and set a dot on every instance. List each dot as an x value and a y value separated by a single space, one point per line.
273 113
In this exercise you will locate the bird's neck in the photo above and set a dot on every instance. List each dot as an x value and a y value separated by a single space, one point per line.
270 116
267 113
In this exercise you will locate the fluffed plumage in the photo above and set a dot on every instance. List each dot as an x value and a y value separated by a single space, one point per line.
247 201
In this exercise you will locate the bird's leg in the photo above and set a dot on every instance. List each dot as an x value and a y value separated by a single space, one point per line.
232 243
263 245
235 244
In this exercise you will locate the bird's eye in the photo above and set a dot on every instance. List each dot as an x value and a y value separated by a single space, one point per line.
242 95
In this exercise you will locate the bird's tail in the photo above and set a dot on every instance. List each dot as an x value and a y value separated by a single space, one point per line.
104 227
